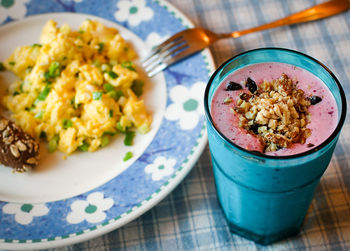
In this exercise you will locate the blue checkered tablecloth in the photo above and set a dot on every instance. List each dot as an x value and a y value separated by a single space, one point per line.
190 217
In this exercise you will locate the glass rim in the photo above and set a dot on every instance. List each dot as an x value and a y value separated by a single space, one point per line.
261 155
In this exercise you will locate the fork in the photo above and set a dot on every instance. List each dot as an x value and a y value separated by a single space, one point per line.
190 41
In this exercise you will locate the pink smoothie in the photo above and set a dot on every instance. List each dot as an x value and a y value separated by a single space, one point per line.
324 115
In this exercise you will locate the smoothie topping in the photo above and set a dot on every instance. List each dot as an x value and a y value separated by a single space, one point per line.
315 99
251 85
276 111
233 86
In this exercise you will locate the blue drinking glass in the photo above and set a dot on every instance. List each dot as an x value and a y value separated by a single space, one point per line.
265 198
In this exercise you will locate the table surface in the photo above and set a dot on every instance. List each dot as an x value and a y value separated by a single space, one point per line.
190 217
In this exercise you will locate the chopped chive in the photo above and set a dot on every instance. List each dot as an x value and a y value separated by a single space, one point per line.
111 113
67 123
96 95
127 156
2 67
21 87
109 133
120 127
115 94
112 74
108 87
129 65
54 69
36 45
12 62
137 87
42 96
129 137
53 143
39 115
72 101
100 47
104 140
15 93
81 31
47 76
84 147
43 135
97 63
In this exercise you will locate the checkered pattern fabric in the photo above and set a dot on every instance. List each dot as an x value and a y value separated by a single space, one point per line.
190 217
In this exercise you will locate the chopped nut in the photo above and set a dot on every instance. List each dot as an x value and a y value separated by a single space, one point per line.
36 146
260 119
272 124
6 133
22 147
245 106
250 115
227 100
3 124
31 161
8 140
14 151
245 96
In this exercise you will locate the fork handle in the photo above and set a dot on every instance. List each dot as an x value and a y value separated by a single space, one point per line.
314 13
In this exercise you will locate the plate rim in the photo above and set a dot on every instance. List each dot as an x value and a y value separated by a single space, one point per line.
165 189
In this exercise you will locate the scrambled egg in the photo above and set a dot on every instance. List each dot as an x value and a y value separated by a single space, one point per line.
76 88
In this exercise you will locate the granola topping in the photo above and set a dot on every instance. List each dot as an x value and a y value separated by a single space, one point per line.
276 112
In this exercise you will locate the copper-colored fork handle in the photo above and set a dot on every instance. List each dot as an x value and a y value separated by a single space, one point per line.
316 12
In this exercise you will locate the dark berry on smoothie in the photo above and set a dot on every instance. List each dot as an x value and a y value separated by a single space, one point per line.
315 99
251 85
233 86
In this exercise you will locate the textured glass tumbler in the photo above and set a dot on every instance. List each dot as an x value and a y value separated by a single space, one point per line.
265 198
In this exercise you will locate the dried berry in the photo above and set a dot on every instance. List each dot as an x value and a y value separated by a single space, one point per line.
251 85
245 96
254 128
314 100
310 145
233 86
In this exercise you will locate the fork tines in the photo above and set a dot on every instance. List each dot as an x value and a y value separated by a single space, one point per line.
164 54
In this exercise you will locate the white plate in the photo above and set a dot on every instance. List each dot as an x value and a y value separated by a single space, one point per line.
80 172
